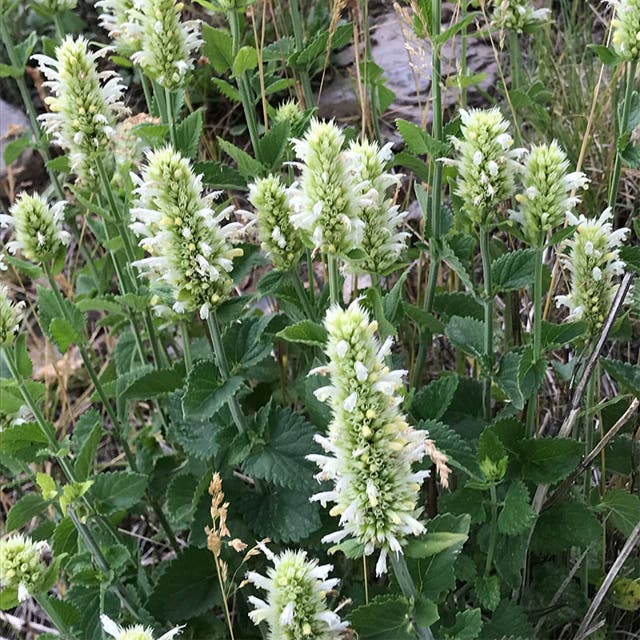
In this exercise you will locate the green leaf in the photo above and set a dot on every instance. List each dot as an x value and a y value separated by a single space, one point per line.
180 494
625 594
205 393
567 523
274 143
49 310
432 401
227 89
449 33
18 437
284 515
607 56
14 148
188 134
508 378
459 453
117 490
30 270
63 334
623 509
514 270
29 506
508 622
468 625
467 334
61 164
548 460
487 590
413 136
509 558
86 453
384 618
155 383
219 175
7 71
449 256
218 48
432 543
516 515
153 133
246 60
65 538
625 374
557 335
248 343
305 332
91 601
492 456
248 167
24 50
425 321
279 456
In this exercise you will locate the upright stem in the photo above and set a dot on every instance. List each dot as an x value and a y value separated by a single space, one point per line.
405 582
186 346
514 54
223 366
589 402
488 320
463 55
298 35
632 67
537 336
334 278
168 97
493 536
302 294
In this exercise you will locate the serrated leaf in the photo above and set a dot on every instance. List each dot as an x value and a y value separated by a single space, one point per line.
188 134
65 538
63 334
567 523
468 625
117 490
280 458
507 378
247 343
205 393
91 602
467 334
516 515
432 543
248 167
626 374
274 143
459 453
218 48
432 401
180 494
21 436
305 332
29 506
607 56
509 621
509 558
8 596
154 383
14 148
492 456
384 618
246 60
219 175
548 460
514 270
458 303
623 509
487 590
557 335
413 136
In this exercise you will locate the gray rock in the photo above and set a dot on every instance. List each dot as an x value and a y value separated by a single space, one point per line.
13 123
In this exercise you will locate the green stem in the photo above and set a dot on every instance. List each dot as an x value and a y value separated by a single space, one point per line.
632 67
463 55
310 275
589 402
302 294
298 35
186 346
493 536
514 55
168 97
145 89
537 336
45 604
59 27
408 588
488 320
223 366
334 278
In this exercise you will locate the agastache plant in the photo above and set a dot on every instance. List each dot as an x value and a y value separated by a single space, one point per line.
296 598
179 227
85 106
594 264
370 446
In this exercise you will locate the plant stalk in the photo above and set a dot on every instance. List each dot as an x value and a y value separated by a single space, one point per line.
532 408
186 347
334 278
302 294
298 35
493 536
488 320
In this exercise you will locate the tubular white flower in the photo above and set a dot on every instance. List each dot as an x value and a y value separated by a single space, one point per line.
325 203
137 632
182 232
518 15
486 163
21 564
626 28
116 20
370 445
295 607
547 199
56 6
167 44
594 265
10 317
85 106
279 238
289 111
37 227
383 241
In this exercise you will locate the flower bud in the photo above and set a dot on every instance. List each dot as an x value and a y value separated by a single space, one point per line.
295 606
324 202
56 6
486 163
166 43
37 227
518 15
594 265
84 107
289 111
626 29
21 563
279 238
10 317
547 198
370 447
180 229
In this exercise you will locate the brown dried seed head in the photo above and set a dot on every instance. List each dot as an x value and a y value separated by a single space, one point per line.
237 545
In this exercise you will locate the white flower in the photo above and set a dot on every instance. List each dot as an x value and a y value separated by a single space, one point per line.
116 20
594 265
136 632
10 317
21 563
370 446
296 590
518 15
626 28
187 243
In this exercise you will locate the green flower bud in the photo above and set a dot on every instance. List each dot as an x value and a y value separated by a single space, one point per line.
10 317
56 6
289 111
626 29
21 564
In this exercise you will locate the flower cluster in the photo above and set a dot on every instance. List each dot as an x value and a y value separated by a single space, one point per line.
324 201
289 111
382 238
137 632
371 446
547 198
594 263
21 564
487 164
182 232
85 106
626 29
37 227
10 317
56 6
295 606
279 238
518 15
116 20
166 43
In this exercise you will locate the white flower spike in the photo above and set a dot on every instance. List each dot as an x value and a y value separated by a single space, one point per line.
10 317
370 447
518 15
626 29
21 564
136 632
